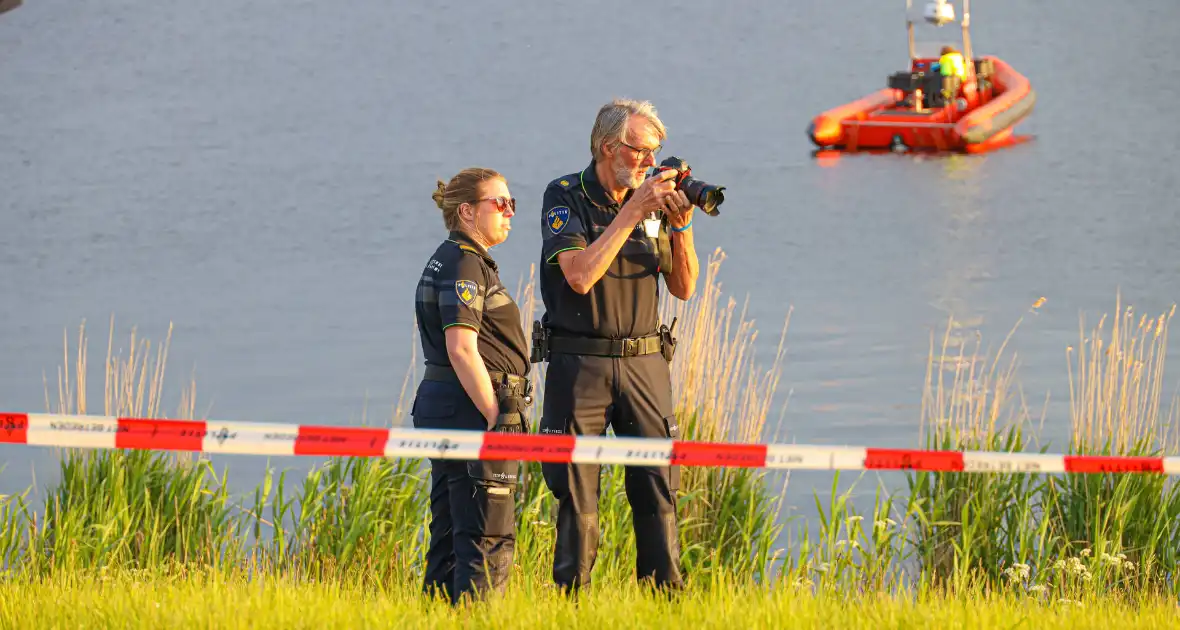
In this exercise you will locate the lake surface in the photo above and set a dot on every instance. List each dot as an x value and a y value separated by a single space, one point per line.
259 175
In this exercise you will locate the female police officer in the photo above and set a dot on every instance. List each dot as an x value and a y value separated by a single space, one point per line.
476 363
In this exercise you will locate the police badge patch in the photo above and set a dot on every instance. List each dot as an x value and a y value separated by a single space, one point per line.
557 218
467 291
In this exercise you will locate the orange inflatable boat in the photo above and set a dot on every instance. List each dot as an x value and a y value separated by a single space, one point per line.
972 110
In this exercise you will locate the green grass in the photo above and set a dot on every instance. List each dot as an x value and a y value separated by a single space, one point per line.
345 542
214 601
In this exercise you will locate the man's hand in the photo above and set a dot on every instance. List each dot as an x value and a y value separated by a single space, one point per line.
582 269
650 196
678 209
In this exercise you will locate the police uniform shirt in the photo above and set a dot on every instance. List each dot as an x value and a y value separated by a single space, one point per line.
461 286
624 303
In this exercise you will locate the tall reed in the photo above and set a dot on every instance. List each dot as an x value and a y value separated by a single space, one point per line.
365 519
1128 522
133 509
730 515
1062 534
969 527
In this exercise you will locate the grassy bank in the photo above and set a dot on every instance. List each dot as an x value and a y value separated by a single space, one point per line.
215 602
348 538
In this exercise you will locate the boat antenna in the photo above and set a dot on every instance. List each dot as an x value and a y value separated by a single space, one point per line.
970 58
909 27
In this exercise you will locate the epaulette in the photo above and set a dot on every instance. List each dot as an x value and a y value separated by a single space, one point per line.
565 181
468 248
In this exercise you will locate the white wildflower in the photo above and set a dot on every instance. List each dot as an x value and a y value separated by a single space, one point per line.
1059 565
1085 553
1128 565
1122 556
823 567
854 519
1017 572
1036 590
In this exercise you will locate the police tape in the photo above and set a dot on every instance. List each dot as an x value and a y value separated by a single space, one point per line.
254 438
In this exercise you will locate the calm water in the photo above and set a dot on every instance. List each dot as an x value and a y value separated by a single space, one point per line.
259 175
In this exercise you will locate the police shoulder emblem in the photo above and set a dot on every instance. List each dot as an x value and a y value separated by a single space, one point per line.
467 291
557 218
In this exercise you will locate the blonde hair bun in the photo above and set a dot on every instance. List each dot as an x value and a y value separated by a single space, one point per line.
439 194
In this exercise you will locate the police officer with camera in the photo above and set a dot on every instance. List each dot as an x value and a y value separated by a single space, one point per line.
610 232
476 364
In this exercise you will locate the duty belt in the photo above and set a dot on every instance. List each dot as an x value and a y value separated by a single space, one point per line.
447 374
599 347
513 395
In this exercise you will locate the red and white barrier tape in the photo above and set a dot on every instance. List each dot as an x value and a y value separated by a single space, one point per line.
252 438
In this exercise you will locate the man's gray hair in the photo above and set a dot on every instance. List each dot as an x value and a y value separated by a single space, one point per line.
611 124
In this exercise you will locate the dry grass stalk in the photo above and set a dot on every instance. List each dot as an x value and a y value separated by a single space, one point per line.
714 375
1115 398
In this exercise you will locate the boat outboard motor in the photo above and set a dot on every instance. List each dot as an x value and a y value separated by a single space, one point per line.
938 12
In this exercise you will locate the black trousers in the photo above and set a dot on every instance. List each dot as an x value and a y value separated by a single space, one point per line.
472 504
584 395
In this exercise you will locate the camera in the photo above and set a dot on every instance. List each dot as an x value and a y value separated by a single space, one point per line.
704 195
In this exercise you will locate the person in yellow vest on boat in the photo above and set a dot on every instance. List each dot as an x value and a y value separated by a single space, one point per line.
951 63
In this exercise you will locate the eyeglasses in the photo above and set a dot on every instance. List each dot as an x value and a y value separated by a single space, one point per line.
643 153
502 203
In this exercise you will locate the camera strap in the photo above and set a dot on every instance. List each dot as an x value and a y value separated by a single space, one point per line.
664 247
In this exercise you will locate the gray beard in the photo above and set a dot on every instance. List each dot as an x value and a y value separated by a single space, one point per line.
624 176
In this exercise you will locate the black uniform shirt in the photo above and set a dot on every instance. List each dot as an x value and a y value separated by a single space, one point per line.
625 301
460 286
